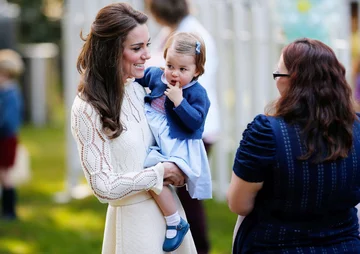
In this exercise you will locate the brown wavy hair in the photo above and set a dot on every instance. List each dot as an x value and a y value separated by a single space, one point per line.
318 99
100 63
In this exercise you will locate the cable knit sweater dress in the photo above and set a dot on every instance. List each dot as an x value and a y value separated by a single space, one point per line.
114 169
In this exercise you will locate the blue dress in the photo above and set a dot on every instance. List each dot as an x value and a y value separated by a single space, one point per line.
188 154
303 207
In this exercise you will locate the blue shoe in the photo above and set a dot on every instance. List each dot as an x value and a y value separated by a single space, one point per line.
171 244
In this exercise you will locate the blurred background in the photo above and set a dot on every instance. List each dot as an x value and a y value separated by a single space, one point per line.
56 212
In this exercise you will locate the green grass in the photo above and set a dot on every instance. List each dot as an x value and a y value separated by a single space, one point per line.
76 227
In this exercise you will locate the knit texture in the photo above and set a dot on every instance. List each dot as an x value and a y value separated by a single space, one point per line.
114 169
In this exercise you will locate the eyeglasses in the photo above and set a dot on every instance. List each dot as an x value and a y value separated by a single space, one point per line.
277 74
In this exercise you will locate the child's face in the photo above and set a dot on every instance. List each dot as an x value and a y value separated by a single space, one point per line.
179 68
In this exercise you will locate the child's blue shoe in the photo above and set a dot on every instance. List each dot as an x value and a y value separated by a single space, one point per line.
171 244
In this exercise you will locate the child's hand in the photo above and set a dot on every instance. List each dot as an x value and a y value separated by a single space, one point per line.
174 93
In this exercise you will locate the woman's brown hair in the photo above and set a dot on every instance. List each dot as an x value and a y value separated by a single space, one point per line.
318 99
100 60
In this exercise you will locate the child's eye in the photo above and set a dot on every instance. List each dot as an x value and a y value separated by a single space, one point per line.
182 69
169 66
148 44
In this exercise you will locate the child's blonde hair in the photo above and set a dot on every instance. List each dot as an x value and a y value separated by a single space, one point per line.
188 44
11 63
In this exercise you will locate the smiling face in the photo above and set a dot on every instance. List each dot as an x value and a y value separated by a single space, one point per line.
282 83
136 52
179 68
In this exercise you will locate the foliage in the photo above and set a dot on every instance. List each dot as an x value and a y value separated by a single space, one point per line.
33 25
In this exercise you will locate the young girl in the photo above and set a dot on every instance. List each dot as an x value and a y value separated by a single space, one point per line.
11 67
176 109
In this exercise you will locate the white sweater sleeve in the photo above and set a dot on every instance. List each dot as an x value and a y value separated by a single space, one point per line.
95 156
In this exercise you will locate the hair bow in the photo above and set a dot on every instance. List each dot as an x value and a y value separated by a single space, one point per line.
197 47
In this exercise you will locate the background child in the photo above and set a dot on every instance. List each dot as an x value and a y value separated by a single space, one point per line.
176 110
11 67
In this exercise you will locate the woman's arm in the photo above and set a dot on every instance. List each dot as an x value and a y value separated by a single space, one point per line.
254 158
95 156
241 195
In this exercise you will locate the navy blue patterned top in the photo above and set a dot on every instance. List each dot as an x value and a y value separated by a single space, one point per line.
303 207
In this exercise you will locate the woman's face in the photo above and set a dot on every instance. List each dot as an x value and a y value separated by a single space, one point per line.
136 52
282 83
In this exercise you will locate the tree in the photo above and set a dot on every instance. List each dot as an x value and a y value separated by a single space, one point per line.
34 22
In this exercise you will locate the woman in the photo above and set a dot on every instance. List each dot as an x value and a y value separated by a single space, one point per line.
296 175
113 137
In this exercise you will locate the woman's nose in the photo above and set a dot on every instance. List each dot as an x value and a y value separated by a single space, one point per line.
146 55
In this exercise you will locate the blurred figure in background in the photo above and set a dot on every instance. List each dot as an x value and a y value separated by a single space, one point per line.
11 108
174 16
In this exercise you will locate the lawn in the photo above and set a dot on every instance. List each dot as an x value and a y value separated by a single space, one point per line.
45 227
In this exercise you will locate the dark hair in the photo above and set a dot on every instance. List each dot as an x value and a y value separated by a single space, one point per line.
318 99
100 63
170 12
185 43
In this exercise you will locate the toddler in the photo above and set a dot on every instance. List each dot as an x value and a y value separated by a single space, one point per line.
176 109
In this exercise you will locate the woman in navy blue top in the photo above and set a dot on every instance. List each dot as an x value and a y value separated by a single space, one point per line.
296 174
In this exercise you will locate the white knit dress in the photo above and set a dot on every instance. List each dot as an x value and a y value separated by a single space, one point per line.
114 170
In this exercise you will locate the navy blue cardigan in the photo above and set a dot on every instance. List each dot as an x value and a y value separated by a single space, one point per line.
187 120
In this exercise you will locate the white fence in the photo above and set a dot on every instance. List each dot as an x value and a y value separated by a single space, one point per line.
248 45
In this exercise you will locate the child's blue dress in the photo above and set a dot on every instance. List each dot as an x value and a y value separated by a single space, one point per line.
188 154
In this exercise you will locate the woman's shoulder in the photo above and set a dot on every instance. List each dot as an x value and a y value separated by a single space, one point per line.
257 150
260 122
80 105
259 130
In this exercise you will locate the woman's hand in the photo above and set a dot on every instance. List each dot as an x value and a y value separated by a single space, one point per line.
173 175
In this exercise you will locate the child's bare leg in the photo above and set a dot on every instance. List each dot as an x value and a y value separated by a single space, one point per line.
165 200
